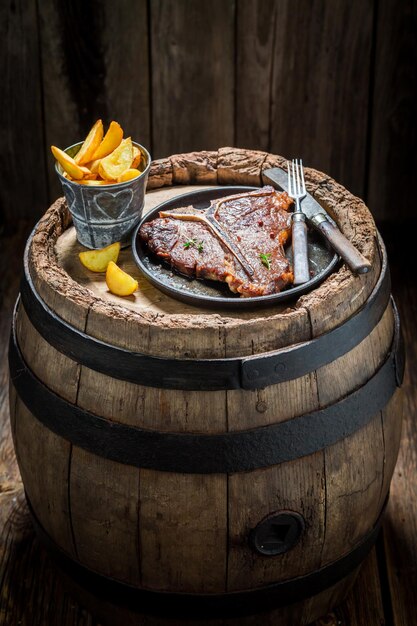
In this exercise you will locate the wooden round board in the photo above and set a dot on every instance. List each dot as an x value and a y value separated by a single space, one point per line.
151 322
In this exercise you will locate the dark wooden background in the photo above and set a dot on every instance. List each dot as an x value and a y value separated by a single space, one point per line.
333 81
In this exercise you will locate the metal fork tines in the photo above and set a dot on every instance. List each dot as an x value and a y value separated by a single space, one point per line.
297 191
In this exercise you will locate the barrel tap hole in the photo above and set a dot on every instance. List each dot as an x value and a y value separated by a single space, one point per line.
277 533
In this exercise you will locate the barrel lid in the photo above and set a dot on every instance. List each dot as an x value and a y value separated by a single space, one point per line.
153 323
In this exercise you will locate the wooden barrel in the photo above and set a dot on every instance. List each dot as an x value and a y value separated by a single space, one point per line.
189 463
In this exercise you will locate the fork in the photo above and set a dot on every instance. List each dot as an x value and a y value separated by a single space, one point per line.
297 191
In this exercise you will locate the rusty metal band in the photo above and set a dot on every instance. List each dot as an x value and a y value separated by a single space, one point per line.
205 454
253 372
208 606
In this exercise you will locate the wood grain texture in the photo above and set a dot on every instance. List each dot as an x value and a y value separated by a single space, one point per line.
127 81
273 404
133 404
43 459
183 531
343 375
249 409
356 461
61 374
32 590
255 55
182 31
241 167
198 168
12 527
332 82
160 174
46 611
104 504
392 421
94 65
63 125
253 496
23 189
330 303
319 94
393 159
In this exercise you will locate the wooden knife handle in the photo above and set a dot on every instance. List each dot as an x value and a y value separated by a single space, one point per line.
353 258
300 249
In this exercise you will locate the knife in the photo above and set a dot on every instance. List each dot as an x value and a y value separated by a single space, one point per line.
322 221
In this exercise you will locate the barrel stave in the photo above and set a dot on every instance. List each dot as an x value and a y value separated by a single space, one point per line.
183 531
44 464
354 477
253 496
57 371
103 499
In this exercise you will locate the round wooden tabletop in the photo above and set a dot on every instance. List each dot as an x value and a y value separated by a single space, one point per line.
149 316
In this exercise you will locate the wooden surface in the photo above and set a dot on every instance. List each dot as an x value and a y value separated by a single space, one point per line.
153 323
188 532
23 189
292 51
330 81
392 159
340 487
32 592
64 510
200 94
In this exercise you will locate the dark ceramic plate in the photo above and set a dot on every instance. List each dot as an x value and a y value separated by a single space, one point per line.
216 294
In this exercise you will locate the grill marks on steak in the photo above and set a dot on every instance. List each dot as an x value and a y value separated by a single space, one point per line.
253 223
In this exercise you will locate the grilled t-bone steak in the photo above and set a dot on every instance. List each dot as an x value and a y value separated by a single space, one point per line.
239 240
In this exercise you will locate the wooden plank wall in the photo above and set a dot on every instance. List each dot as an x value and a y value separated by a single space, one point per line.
332 81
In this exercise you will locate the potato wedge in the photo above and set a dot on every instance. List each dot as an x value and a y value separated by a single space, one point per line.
90 145
119 282
98 260
111 141
67 163
87 174
137 157
93 166
98 181
128 175
113 165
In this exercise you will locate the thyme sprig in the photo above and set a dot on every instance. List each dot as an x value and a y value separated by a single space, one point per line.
266 259
190 243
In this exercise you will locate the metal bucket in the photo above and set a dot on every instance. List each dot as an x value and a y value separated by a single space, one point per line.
106 213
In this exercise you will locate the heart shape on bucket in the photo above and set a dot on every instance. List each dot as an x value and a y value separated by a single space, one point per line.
114 206
69 196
